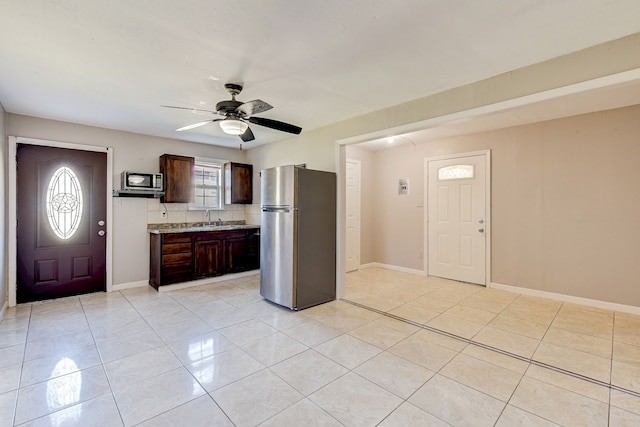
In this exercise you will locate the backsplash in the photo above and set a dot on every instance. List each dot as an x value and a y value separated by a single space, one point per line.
179 213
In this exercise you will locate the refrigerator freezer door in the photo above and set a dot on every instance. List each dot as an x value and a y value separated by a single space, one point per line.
277 256
277 186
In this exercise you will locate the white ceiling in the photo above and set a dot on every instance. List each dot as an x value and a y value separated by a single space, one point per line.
114 63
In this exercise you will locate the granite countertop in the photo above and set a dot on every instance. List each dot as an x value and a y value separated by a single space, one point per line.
196 227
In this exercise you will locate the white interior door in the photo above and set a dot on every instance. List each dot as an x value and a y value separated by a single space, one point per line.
353 214
457 218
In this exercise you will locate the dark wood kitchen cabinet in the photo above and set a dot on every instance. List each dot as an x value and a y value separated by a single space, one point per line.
181 257
252 251
178 177
238 187
209 254
171 259
235 248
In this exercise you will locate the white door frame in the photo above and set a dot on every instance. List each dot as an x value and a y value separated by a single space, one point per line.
11 214
487 157
359 204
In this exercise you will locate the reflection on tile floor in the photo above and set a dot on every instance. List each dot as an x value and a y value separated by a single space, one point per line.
220 355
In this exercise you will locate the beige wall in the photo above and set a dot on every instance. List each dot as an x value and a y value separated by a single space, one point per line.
564 205
316 149
398 219
4 290
319 149
130 152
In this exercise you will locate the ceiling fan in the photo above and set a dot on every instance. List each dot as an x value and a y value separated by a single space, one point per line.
237 114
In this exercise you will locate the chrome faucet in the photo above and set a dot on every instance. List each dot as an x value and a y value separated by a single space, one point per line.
207 213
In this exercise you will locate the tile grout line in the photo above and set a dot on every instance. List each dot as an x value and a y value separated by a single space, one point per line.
498 350
24 354
613 339
102 362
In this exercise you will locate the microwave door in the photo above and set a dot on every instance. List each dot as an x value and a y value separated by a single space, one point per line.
138 181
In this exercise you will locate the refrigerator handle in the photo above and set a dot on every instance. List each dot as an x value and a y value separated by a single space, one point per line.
284 209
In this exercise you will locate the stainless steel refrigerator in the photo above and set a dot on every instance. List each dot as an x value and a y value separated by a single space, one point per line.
298 236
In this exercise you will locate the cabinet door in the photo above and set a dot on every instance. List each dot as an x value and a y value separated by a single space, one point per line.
209 258
253 252
178 178
238 183
155 260
235 254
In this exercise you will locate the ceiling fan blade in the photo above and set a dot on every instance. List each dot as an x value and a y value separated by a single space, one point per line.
196 125
247 135
188 108
253 107
274 124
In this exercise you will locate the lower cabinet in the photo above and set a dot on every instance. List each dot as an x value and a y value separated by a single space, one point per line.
234 249
171 258
209 258
252 251
181 257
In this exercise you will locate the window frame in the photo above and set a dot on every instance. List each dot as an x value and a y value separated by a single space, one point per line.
212 163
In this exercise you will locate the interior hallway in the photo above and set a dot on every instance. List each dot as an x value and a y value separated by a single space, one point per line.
219 354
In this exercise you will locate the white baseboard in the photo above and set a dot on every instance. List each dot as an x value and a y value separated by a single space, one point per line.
567 298
130 285
392 267
199 282
207 281
527 291
5 305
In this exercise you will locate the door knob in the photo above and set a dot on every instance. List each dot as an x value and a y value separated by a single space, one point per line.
101 223
481 230
101 233
481 221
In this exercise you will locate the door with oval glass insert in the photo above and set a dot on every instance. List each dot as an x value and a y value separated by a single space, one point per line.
61 212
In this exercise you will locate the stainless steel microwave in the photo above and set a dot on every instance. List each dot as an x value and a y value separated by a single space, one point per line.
142 181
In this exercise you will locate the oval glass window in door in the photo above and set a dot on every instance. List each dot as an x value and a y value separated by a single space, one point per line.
64 202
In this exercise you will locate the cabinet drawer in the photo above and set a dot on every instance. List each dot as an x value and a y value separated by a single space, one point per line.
234 234
181 258
219 235
204 236
175 248
175 274
176 238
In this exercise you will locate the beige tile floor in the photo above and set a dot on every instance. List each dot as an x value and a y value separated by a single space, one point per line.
219 355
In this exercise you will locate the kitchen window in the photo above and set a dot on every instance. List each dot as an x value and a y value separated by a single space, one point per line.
208 185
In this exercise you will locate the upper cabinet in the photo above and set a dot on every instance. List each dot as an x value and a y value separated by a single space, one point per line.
178 176
238 179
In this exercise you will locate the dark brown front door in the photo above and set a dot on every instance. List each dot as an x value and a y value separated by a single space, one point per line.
61 212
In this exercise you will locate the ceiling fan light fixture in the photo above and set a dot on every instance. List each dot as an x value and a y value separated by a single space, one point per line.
233 126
